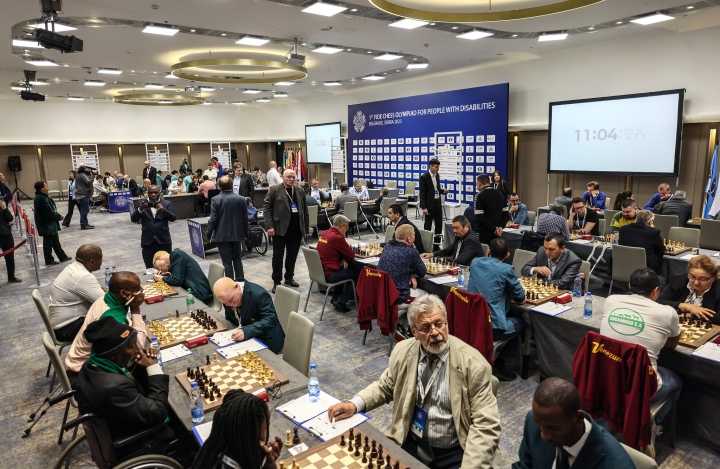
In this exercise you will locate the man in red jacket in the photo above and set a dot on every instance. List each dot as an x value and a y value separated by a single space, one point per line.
337 258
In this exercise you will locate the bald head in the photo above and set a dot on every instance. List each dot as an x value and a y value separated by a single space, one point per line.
123 281
228 291
90 256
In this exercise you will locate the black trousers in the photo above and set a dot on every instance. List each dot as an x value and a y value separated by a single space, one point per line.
450 458
231 255
149 251
52 243
6 242
290 242
435 214
68 332
72 203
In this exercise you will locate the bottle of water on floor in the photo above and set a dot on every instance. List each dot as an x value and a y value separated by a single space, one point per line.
196 405
107 276
588 310
190 301
577 287
461 276
155 343
314 384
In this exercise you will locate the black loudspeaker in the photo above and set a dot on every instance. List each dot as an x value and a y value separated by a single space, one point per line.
14 163
233 154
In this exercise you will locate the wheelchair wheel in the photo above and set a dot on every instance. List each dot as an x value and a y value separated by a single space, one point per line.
150 461
76 455
262 249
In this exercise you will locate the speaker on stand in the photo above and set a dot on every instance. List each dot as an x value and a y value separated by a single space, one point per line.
15 165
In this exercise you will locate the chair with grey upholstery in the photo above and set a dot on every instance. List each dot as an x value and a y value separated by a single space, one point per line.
641 460
585 270
710 234
520 258
45 315
298 345
414 203
688 236
382 216
216 271
64 189
427 239
54 189
390 234
531 217
286 300
608 216
313 218
317 275
626 260
664 223
350 210
485 248
602 226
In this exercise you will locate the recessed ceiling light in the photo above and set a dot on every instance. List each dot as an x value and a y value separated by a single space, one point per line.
206 103
514 35
431 24
388 56
165 101
690 7
94 83
454 27
252 41
281 95
285 83
207 88
75 98
42 63
591 28
252 91
110 71
408 23
354 10
328 50
332 83
418 65
264 100
652 19
192 30
155 86
373 77
222 34
39 83
474 34
161 30
619 22
27 43
324 9
59 27
240 103
171 76
17 88
552 37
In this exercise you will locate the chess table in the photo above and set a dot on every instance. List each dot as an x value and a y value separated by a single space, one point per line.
695 332
158 287
174 331
544 293
438 268
675 251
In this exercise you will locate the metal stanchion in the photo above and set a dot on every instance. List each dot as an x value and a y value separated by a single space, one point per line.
36 262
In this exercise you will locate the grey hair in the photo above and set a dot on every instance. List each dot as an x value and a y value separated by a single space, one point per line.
425 304
680 195
340 220
645 216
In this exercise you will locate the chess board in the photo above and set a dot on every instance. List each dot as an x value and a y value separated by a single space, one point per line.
367 251
176 331
544 293
696 334
674 251
159 288
234 373
327 204
331 455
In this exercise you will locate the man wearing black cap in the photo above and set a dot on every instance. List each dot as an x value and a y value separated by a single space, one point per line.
106 387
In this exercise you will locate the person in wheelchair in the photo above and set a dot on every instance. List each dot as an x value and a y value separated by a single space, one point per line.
106 388
239 436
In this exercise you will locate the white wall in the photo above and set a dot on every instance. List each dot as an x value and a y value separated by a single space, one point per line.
656 61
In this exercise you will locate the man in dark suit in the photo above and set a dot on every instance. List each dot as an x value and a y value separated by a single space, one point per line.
131 185
395 215
228 225
149 172
430 192
559 434
554 263
5 192
491 211
641 234
286 221
676 206
155 215
242 183
464 248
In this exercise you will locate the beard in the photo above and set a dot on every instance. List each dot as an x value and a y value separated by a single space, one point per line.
437 345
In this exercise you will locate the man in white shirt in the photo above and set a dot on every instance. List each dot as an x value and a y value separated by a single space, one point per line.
317 193
359 191
273 176
100 193
74 291
211 173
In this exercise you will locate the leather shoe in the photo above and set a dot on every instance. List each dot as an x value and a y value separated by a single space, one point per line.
342 307
52 263
66 226
89 227
503 373
274 287
14 280
292 283
66 259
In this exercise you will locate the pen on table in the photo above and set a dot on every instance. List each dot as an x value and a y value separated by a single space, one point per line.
130 300
333 422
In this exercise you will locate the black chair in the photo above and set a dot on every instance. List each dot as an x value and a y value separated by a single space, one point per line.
206 204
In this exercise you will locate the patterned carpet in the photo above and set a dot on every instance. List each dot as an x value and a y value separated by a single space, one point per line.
345 365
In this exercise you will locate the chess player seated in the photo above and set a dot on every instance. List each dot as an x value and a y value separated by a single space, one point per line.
100 193
239 437
107 388
397 218
554 222
499 284
174 187
593 196
627 215
74 291
658 328
465 247
337 258
440 386
179 269
317 193
581 220
554 263
359 191
403 263
642 235
121 302
517 210
697 292
559 434
250 307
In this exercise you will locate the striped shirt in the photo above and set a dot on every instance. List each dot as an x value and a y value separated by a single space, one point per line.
440 429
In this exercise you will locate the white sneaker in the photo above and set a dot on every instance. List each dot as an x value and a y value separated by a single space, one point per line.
102 209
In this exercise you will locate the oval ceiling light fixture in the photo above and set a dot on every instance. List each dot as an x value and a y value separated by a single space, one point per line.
397 9
147 99
273 65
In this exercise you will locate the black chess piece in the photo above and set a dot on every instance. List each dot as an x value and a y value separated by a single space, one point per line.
370 464
350 444
357 450
364 459
342 440
177 313
212 397
189 372
387 461
397 464
373 450
219 394
350 435
367 446
296 437
380 462
206 394
207 359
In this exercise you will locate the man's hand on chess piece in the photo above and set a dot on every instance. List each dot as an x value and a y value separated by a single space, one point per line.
157 277
542 271
238 335
426 255
697 311
145 357
341 410
272 452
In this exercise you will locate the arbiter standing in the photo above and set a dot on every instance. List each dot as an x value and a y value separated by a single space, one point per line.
430 192
228 225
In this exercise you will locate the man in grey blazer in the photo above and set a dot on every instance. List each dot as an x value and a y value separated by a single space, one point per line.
554 263
286 221
229 225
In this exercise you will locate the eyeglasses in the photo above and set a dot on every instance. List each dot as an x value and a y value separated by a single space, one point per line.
427 328
692 278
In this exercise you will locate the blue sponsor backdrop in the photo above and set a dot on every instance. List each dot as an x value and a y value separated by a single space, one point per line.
395 139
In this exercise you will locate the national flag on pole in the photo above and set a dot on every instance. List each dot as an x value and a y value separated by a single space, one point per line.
712 202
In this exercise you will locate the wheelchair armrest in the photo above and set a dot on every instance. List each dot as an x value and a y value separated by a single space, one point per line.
61 397
75 422
138 436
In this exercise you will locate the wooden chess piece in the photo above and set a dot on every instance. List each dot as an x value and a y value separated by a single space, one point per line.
215 357
342 440
289 442
169 315
373 450
296 438
207 359
364 458
367 446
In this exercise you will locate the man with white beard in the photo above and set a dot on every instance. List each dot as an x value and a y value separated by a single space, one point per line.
446 414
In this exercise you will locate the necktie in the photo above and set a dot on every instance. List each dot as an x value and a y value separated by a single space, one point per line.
562 460
427 373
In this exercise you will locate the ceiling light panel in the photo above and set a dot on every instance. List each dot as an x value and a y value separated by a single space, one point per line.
155 86
94 83
332 83
388 56
110 71
27 43
161 30
373 78
328 50
552 37
75 98
252 91
652 19
59 27
42 63
473 35
285 83
420 65
408 23
252 41
324 9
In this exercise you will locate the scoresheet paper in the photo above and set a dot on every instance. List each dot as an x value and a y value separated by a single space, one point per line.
708 351
369 260
172 353
322 427
202 431
238 348
301 409
551 309
443 279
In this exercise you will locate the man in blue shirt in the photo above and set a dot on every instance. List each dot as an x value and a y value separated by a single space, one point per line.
662 195
317 193
402 262
517 210
594 197
500 286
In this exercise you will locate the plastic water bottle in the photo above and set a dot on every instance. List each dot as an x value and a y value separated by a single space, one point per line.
196 404
190 301
461 276
577 287
113 271
588 310
314 384
155 343
107 276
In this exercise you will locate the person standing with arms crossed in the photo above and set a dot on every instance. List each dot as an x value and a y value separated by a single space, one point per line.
430 192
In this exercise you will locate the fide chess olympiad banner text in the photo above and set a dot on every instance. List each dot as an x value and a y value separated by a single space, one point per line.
465 129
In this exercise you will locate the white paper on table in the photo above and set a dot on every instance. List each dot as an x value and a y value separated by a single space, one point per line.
223 339
687 256
369 260
301 409
297 449
708 351
443 279
508 229
322 428
172 353
581 241
202 431
551 309
238 348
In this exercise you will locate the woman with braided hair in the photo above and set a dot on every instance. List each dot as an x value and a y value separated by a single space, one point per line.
239 436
